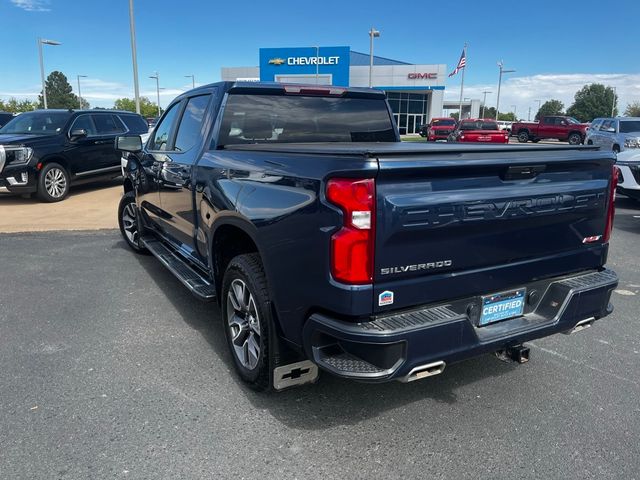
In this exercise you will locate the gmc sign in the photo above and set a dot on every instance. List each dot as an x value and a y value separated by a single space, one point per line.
422 76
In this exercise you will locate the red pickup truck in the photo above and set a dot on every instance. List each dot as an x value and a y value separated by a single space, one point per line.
566 129
438 129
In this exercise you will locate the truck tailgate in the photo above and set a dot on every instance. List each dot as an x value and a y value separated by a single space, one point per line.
450 224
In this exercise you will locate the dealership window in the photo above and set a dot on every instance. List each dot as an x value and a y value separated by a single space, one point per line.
410 110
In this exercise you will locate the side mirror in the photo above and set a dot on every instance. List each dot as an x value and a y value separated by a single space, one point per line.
129 143
78 133
611 130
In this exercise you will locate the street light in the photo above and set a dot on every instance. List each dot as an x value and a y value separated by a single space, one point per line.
613 103
484 101
193 80
502 71
42 41
157 79
373 33
515 117
134 57
80 91
539 102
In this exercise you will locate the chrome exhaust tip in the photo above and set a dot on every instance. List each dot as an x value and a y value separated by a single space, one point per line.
424 371
581 325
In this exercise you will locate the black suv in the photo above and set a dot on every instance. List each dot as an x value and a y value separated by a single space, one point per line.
47 151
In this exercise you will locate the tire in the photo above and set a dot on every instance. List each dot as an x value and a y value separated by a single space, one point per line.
129 222
575 139
248 323
616 149
53 183
589 142
535 140
523 137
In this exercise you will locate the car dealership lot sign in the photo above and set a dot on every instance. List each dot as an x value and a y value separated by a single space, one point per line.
304 61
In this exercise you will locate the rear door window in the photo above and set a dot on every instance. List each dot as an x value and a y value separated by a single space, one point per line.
135 123
108 124
84 122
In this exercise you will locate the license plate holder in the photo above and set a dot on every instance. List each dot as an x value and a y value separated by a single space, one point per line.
502 306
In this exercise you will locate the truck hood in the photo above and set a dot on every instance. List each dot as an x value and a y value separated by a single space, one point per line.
19 138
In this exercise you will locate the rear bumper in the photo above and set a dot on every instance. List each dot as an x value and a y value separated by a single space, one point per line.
391 346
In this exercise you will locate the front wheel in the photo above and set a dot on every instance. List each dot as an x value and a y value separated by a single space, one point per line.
575 139
248 322
128 222
53 183
523 137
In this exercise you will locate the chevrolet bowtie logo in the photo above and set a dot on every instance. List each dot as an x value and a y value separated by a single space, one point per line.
276 61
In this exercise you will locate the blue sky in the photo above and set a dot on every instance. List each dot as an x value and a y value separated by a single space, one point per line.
555 46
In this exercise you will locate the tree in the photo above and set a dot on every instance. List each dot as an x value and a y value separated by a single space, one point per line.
593 101
147 107
59 92
507 117
454 115
489 112
550 107
633 109
17 106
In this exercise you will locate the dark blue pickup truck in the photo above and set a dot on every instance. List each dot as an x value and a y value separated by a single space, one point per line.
330 244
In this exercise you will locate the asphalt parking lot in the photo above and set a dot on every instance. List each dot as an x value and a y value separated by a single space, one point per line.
118 372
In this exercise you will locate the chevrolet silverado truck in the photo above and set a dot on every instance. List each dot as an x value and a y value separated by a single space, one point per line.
329 244
565 129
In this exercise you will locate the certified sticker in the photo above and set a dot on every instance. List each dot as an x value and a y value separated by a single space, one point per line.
385 298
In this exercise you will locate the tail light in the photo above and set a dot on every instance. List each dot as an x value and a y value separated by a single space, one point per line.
352 246
611 211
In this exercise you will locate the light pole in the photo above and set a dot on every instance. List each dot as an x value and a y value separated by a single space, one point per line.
373 33
529 115
613 103
42 41
80 91
515 118
193 80
134 57
484 101
317 66
502 71
157 78
539 102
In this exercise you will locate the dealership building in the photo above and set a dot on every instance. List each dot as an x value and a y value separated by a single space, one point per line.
415 92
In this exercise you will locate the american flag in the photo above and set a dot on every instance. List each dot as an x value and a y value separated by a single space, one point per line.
461 64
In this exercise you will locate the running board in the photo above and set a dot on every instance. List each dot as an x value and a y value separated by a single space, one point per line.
200 286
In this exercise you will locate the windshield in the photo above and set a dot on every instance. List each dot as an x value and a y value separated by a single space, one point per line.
572 120
37 123
479 125
289 119
628 126
444 123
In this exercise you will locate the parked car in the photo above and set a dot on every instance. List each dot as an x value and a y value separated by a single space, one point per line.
478 131
629 173
504 125
566 129
330 244
47 151
151 121
438 129
4 118
617 134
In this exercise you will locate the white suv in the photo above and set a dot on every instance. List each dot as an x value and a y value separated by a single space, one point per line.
629 179
617 134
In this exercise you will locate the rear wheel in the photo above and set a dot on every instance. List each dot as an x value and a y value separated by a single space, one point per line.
523 137
53 183
589 142
616 148
575 139
248 321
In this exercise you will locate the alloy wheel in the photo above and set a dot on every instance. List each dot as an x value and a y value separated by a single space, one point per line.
55 182
130 224
244 324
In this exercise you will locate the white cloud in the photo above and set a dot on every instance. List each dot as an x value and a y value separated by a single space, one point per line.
523 91
33 5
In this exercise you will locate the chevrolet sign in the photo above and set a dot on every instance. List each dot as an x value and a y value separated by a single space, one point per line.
276 61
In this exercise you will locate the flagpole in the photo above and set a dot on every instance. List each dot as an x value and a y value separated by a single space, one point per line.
464 53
